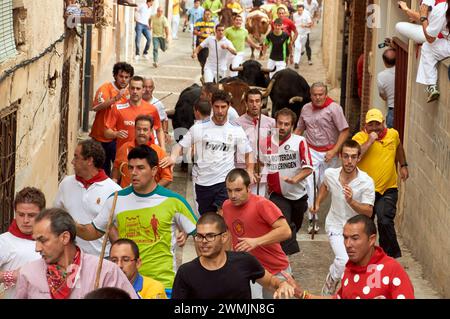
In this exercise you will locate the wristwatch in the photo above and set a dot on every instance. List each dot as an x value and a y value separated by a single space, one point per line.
422 19
404 165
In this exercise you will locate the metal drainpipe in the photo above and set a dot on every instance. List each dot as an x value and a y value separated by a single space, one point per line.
87 78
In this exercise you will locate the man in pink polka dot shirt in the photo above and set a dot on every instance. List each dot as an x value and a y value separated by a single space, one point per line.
369 273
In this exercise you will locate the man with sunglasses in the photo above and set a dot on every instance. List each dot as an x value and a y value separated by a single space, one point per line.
125 254
221 274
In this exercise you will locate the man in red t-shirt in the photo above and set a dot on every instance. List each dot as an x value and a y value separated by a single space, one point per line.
119 123
369 273
256 226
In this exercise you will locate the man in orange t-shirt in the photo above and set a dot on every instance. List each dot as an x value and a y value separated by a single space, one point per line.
143 131
119 123
108 94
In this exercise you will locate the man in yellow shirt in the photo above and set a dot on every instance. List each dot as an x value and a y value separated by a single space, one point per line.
125 253
175 18
381 150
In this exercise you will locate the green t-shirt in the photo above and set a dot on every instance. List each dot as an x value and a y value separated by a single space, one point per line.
212 5
237 37
150 220
158 26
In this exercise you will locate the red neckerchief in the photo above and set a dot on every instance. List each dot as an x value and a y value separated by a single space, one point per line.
328 101
14 229
101 176
382 134
57 277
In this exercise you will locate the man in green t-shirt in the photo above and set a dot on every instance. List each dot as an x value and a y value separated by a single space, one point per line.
214 6
238 36
160 30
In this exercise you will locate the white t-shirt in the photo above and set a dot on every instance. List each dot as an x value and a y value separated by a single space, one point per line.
143 13
437 20
211 61
386 85
14 253
215 147
300 20
161 111
363 192
312 8
84 205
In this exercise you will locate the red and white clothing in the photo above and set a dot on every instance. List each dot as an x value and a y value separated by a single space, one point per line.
340 211
250 126
286 159
14 253
383 277
84 204
322 126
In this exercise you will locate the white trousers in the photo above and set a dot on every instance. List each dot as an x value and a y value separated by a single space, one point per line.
430 55
258 292
299 46
280 65
319 165
209 74
175 24
411 31
235 61
340 254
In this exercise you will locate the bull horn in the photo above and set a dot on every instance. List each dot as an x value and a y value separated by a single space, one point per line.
269 88
266 70
238 69
257 87
294 99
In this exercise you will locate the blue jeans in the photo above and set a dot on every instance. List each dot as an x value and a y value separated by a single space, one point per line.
390 118
158 43
142 29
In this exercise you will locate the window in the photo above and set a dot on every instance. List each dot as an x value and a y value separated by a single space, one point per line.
8 128
7 45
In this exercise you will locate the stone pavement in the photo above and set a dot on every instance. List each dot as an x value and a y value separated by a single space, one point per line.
177 71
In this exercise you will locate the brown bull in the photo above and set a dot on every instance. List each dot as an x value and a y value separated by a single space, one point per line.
226 16
257 25
237 88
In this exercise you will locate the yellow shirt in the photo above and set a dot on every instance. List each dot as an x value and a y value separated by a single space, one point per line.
275 9
379 160
148 288
176 7
236 7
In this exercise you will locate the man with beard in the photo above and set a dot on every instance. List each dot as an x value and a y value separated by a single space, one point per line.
381 150
216 142
83 195
106 96
218 273
119 123
143 132
288 163
352 192
64 271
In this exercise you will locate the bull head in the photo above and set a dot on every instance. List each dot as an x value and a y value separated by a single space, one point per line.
238 69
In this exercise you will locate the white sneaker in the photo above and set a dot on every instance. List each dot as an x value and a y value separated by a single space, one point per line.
146 57
330 286
433 93
310 227
137 57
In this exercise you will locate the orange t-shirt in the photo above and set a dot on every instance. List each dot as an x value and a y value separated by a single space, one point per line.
122 116
104 93
121 162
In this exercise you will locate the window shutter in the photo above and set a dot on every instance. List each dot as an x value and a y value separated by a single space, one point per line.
7 45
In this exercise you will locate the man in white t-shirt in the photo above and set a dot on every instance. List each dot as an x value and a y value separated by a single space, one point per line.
149 87
352 193
386 84
288 163
312 6
303 23
215 142
142 16
219 49
17 246
84 194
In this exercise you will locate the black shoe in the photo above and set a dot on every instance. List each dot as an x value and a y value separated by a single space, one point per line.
184 28
296 66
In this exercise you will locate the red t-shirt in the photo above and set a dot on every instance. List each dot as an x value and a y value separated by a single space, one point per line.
383 277
122 116
288 26
255 219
